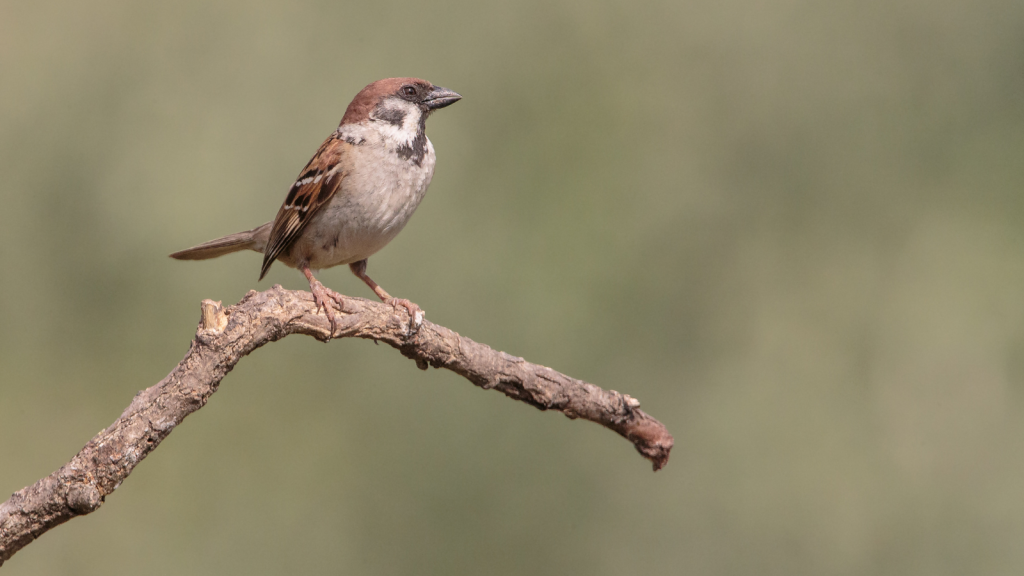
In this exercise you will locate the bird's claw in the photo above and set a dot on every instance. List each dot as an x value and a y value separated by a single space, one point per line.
328 299
415 312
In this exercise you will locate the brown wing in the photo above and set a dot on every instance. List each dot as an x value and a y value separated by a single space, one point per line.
315 186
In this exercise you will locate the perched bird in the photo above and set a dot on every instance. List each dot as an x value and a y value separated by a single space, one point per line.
355 195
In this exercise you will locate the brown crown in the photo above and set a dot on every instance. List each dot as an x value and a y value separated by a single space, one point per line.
364 102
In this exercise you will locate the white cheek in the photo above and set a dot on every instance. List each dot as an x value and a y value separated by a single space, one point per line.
404 134
411 125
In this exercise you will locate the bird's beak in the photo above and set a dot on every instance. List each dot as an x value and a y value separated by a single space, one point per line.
440 97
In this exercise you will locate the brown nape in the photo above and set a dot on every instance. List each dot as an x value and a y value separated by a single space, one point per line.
364 102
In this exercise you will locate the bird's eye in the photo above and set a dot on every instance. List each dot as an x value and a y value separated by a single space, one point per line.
408 90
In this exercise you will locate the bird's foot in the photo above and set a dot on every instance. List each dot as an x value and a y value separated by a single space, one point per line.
327 299
415 312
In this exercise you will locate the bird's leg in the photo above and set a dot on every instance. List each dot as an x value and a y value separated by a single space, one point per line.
415 312
322 296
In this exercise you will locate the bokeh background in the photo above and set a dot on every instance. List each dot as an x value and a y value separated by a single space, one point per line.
793 230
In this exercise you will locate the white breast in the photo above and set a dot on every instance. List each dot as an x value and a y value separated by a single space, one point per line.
375 202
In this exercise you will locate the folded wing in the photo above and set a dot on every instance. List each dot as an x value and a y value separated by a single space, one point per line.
318 182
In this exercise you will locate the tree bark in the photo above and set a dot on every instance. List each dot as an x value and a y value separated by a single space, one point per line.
225 335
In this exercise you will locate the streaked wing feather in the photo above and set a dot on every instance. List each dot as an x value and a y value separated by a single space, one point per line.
318 182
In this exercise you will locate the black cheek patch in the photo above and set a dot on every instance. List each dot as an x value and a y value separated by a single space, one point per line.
391 116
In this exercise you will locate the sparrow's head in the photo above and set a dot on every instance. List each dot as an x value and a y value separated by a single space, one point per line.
401 102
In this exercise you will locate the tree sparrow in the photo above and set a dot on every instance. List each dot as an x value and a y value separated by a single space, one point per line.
355 195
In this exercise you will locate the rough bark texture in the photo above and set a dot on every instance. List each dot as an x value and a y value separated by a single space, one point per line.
225 335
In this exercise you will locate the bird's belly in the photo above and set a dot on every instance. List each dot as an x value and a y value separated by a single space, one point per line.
368 212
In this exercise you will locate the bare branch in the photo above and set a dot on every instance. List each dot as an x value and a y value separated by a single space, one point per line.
225 335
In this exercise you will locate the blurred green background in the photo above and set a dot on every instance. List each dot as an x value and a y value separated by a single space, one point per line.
793 230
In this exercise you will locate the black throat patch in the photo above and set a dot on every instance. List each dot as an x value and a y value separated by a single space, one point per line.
415 150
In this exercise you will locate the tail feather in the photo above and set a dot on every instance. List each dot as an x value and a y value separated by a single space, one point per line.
248 240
